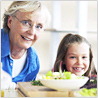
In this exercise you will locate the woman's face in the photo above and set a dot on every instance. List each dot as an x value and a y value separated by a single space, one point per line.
25 28
77 58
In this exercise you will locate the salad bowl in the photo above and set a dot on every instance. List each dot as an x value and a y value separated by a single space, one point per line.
59 81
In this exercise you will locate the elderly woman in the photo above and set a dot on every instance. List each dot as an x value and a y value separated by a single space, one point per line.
23 22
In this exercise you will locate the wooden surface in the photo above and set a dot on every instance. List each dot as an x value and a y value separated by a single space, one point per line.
10 93
28 90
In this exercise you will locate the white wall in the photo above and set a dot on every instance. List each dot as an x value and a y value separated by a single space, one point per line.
68 23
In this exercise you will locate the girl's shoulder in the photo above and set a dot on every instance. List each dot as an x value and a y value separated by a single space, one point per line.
94 76
92 82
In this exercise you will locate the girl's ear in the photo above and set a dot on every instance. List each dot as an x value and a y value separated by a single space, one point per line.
9 21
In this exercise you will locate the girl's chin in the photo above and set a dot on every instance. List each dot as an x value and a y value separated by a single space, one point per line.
78 74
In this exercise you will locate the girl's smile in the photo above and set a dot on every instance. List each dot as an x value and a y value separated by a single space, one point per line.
78 69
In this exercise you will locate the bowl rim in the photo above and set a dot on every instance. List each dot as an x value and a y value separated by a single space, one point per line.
84 77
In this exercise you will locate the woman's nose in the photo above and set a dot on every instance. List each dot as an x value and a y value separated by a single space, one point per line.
32 31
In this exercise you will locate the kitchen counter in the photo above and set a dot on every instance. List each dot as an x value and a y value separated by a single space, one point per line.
26 89
11 93
29 90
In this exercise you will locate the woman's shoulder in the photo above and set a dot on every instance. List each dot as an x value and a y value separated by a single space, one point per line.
3 31
32 49
32 52
4 34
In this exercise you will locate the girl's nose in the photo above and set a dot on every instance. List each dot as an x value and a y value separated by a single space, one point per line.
79 61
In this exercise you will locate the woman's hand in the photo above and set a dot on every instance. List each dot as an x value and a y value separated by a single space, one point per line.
6 81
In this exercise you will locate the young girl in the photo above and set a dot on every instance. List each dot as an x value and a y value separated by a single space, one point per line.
76 56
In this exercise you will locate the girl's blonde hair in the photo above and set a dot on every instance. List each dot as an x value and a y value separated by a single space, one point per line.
25 6
66 42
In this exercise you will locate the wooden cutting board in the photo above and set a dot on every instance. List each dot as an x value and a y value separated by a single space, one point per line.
28 90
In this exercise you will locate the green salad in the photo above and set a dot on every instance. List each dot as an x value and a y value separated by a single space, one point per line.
36 83
60 75
88 92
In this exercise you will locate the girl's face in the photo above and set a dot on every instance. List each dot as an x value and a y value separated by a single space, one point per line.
77 58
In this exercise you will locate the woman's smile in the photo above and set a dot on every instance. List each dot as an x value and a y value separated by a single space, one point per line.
26 38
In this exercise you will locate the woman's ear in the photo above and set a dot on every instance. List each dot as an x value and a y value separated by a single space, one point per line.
9 21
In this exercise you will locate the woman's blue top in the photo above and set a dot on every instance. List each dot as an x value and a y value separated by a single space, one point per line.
31 67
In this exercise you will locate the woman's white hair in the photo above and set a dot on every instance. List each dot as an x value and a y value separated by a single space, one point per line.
25 6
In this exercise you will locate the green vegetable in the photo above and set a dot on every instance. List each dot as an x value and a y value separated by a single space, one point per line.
58 75
49 73
88 92
36 83
67 75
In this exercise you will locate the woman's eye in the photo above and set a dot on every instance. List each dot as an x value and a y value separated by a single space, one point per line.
25 22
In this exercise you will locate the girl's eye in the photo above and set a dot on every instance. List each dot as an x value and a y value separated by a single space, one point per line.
72 57
39 26
84 57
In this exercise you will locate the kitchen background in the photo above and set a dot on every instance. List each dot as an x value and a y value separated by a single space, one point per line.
66 17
